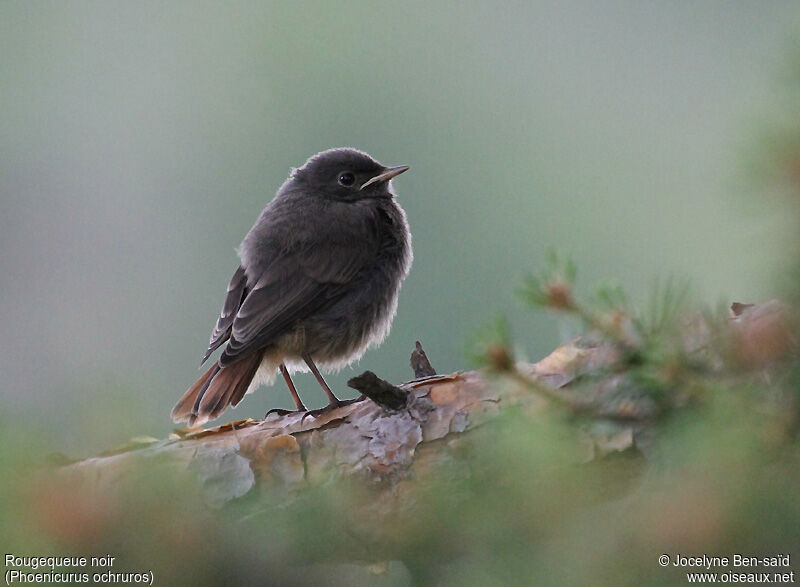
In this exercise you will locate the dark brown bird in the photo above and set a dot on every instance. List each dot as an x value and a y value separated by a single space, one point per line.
318 283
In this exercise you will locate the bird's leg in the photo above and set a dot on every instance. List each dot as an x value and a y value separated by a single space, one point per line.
333 401
293 390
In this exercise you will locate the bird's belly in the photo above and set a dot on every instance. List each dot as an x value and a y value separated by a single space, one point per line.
334 339
341 335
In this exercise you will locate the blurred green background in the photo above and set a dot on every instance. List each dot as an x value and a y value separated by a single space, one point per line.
139 141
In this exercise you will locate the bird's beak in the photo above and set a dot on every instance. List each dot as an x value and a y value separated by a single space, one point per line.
386 175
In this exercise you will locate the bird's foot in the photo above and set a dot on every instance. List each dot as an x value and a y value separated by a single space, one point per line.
332 406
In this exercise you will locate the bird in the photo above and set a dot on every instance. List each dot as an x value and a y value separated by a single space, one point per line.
317 284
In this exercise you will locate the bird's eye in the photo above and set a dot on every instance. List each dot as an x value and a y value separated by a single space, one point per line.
347 179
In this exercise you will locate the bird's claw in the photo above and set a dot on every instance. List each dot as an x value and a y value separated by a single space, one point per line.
314 413
282 412
331 406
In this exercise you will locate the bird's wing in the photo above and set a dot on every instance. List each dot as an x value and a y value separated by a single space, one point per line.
237 290
294 286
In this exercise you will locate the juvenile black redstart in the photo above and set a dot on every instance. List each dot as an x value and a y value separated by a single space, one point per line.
318 282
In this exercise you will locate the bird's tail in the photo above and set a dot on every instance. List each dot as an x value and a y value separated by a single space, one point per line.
216 389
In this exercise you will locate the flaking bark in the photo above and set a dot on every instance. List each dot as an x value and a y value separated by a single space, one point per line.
378 440
408 426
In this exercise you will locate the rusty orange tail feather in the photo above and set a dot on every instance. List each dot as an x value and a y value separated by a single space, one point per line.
216 389
182 411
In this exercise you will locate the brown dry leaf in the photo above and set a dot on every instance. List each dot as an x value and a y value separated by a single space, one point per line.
199 432
422 381
134 443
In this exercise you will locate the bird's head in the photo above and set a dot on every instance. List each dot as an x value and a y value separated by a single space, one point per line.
344 174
